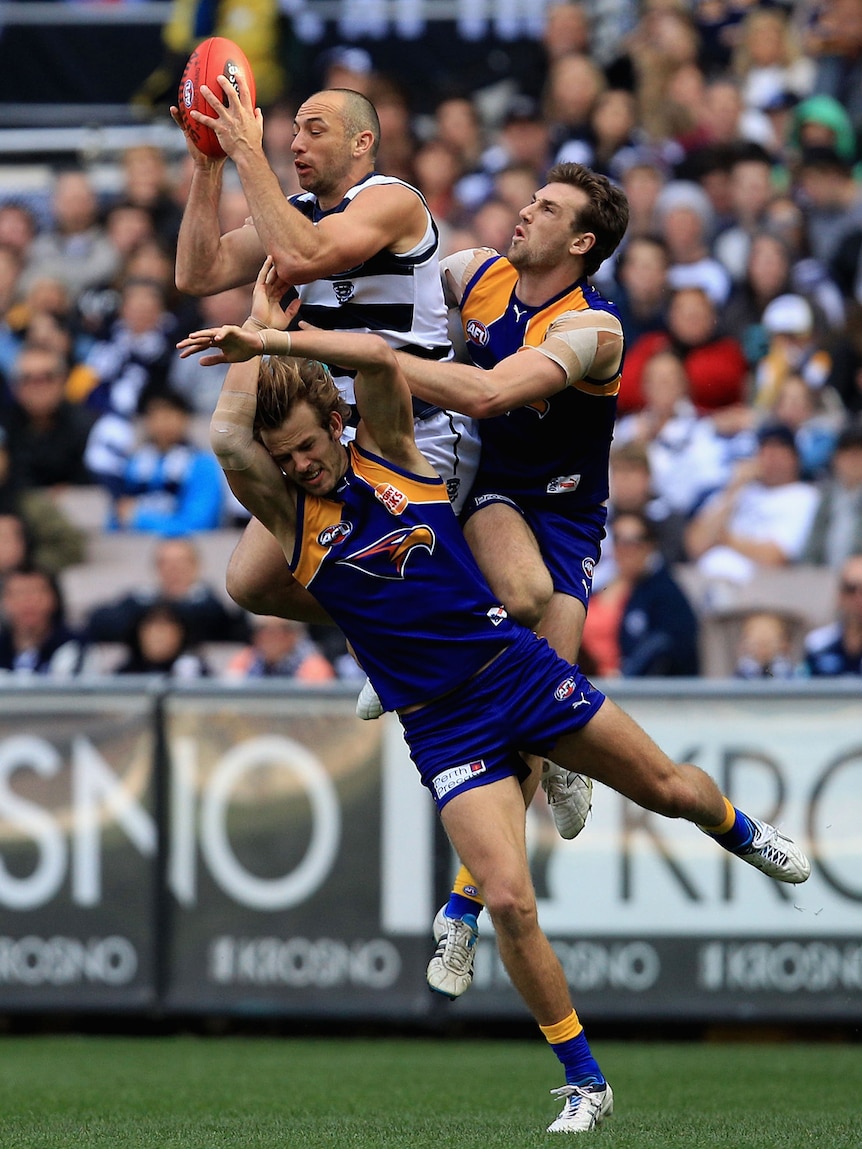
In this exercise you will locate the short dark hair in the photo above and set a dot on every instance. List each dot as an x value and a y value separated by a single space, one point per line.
360 115
606 215
283 382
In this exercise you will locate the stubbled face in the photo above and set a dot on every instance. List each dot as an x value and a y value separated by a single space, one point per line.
546 227
309 455
322 150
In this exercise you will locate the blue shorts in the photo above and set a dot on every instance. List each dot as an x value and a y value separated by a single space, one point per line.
527 699
571 543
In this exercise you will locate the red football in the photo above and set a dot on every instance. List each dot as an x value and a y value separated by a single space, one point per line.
212 58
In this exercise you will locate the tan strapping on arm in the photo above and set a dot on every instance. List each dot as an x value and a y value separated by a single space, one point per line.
573 340
231 430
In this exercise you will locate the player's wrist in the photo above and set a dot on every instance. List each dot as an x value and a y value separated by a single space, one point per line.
275 342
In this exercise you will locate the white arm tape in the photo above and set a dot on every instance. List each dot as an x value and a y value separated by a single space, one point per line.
231 430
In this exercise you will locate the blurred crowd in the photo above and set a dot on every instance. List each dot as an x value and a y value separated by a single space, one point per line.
735 129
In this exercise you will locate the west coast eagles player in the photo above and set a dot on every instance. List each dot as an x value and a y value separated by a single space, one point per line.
547 351
369 530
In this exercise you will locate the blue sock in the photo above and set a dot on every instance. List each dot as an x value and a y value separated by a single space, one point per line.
740 835
459 907
577 1060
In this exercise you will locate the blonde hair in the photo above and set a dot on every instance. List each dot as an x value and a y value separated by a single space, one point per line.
283 382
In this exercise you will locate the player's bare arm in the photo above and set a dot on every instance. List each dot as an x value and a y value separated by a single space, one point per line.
390 216
253 474
208 262
579 344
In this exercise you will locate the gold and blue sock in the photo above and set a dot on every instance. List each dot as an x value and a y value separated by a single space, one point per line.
569 1043
465 897
735 833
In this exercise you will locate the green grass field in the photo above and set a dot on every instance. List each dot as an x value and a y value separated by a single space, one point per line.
208 1093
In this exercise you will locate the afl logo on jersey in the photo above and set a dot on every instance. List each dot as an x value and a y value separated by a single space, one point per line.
336 533
477 332
565 690
588 566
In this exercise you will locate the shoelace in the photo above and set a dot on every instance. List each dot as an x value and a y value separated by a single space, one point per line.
453 951
771 850
574 1095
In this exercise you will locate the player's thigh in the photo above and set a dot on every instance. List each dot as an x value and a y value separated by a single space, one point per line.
612 748
508 554
486 826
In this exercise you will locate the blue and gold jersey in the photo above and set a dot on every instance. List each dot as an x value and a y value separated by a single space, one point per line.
385 556
555 446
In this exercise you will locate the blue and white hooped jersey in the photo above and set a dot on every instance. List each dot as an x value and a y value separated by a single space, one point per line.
386 557
396 296
555 446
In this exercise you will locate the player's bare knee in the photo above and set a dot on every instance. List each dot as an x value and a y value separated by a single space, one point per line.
529 601
512 911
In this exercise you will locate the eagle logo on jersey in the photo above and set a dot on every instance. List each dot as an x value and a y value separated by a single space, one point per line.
387 558
477 332
344 292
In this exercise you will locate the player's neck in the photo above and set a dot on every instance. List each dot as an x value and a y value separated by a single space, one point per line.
536 286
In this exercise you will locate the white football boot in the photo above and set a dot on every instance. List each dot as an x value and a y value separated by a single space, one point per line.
586 1107
450 970
570 797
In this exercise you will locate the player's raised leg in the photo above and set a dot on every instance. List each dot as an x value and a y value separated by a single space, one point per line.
623 756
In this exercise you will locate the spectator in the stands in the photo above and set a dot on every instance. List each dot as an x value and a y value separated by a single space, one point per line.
836 649
169 486
751 189
147 184
159 644
687 458
815 417
658 630
793 348
835 40
45 433
641 292
764 648
687 220
177 579
280 648
18 227
715 364
136 356
642 181
768 59
574 84
760 518
836 532
200 386
34 635
831 197
16 545
33 526
437 167
76 248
